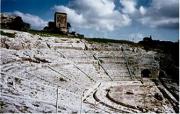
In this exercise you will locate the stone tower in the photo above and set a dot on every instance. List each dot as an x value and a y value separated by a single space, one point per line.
60 20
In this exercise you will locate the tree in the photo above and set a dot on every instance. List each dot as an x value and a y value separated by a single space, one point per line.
68 26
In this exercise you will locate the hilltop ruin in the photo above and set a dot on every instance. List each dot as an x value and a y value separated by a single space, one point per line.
59 25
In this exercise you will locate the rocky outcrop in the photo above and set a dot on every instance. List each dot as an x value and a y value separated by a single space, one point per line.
13 22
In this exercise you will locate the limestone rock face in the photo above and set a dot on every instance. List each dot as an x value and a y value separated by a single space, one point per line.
71 75
13 22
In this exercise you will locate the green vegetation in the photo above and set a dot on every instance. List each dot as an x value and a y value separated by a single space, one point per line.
98 40
46 34
12 35
104 40
90 40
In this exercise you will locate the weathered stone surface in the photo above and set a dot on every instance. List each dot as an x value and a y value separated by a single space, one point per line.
51 74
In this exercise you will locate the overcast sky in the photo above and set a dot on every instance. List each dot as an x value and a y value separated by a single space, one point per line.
117 19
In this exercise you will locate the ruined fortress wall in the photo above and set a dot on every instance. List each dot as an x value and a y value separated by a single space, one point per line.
60 20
